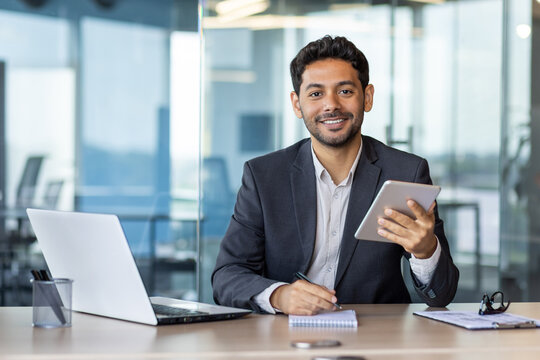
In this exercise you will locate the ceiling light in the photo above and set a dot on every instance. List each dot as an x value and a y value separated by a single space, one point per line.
429 1
523 31
348 7
266 22
230 10
228 7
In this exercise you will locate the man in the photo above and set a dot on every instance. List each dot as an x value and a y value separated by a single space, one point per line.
298 208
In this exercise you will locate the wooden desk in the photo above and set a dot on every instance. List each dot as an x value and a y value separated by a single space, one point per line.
384 332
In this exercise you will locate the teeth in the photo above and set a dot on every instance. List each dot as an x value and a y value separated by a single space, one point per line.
333 121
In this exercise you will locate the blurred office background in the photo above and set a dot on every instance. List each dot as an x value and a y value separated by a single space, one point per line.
149 108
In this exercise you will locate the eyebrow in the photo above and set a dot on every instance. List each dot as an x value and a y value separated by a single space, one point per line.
345 82
313 85
317 85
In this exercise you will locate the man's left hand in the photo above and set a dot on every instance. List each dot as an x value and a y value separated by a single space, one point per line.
415 235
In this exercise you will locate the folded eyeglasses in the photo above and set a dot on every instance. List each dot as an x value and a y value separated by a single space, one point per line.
493 304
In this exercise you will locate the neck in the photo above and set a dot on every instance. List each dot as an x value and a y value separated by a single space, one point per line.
337 160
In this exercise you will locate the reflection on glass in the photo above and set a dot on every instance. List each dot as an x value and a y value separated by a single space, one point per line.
88 116
40 101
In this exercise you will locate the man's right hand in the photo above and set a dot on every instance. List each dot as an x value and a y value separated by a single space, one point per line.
303 298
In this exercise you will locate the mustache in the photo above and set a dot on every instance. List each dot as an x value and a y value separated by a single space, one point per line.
335 114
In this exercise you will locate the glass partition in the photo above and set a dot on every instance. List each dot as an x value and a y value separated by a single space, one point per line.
39 140
96 121
519 180
42 76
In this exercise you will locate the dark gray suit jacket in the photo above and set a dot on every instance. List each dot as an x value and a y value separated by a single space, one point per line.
272 231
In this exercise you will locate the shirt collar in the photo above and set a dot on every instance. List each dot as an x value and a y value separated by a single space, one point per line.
323 174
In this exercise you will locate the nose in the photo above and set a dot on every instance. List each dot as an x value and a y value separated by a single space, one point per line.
331 102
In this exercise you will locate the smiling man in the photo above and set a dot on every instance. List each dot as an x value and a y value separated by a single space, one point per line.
298 208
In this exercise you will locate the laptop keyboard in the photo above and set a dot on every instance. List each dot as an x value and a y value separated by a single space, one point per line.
175 311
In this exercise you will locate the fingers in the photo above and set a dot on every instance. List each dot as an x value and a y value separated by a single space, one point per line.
303 298
432 207
419 211
400 222
313 298
416 235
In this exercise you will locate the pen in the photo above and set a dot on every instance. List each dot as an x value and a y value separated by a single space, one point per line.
44 275
36 275
515 325
304 277
50 293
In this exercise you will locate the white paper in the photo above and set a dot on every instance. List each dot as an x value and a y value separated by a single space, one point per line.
472 320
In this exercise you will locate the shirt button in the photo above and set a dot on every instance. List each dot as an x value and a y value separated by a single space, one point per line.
336 196
334 233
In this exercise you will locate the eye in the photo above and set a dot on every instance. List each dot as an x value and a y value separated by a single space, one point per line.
346 92
315 94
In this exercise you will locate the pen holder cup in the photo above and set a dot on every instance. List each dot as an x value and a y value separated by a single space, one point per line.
51 303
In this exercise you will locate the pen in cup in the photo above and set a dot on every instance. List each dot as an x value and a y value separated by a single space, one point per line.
50 293
304 277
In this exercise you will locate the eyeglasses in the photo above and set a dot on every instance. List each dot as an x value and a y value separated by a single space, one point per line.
493 304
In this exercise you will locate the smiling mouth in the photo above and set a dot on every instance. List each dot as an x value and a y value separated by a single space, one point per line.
331 122
334 118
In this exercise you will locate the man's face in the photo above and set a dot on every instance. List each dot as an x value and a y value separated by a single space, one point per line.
331 101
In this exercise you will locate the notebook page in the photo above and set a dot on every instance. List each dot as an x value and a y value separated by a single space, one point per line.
345 318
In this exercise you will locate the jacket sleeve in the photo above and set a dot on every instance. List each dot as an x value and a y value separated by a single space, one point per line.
440 291
239 271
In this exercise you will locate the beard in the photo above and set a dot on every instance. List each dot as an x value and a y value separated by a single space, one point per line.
334 141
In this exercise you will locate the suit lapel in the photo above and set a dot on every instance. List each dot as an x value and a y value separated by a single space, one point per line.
363 191
305 200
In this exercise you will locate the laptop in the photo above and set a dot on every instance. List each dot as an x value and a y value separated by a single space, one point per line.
92 249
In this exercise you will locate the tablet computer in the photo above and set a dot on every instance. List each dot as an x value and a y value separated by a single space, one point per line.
394 195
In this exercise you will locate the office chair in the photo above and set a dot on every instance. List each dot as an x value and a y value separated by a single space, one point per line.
52 194
26 189
14 257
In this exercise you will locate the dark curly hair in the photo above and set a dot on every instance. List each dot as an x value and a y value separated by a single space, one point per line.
328 47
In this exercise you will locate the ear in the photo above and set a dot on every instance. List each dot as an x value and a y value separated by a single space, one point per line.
368 97
296 104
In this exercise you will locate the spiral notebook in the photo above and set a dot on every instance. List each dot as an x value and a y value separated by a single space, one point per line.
346 318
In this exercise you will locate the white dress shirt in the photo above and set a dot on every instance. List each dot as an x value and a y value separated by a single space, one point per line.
332 204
